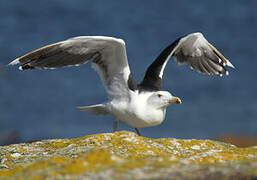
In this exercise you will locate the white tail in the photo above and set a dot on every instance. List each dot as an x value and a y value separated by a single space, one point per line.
98 109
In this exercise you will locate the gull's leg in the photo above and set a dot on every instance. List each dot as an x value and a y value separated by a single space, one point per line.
138 133
115 125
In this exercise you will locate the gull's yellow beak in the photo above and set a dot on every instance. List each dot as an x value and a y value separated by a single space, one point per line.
176 100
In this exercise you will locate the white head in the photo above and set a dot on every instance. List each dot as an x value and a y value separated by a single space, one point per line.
162 99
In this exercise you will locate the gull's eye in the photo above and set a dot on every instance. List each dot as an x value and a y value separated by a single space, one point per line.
159 95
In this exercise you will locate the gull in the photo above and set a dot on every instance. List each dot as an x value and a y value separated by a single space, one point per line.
138 105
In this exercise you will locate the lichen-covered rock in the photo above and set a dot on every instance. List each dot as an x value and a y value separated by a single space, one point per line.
124 155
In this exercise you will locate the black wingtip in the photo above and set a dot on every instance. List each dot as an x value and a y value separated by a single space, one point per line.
25 67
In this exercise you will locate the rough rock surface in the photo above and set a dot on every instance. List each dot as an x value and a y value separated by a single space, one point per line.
124 155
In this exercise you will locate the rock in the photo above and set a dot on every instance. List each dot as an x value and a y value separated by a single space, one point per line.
124 155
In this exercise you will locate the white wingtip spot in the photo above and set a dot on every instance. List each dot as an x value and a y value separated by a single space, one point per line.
20 68
14 62
227 73
220 60
230 64
220 75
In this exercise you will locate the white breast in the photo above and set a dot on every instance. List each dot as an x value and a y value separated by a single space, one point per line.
135 112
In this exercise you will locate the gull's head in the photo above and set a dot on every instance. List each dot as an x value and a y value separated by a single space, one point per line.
162 99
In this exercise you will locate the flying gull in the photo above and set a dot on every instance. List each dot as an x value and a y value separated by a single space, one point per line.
138 105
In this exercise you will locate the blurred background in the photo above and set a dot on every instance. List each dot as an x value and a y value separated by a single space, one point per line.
38 104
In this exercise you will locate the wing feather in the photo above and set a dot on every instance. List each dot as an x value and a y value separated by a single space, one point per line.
194 48
108 54
214 66
208 67
202 68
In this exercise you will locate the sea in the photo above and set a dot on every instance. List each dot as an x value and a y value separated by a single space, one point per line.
40 104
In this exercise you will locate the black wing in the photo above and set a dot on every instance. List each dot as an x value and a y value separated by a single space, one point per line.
193 50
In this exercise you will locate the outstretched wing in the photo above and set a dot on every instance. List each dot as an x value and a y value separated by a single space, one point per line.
108 54
193 50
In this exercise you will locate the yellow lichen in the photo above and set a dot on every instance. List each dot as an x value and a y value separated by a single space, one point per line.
121 152
56 145
37 177
6 173
9 156
22 149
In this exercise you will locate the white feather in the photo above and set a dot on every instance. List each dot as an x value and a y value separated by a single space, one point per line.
230 64
14 62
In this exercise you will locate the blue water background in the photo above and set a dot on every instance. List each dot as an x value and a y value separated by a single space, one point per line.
41 104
